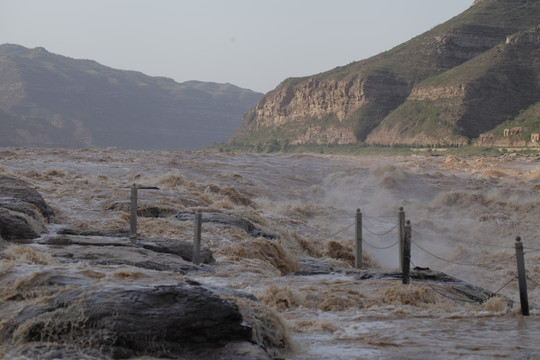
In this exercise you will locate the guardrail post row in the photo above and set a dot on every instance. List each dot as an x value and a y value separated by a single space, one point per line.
406 252
358 239
523 299
401 224
133 208
197 238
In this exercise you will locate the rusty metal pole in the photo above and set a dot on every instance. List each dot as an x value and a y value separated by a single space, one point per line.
133 217
401 225
197 238
358 239
522 278
406 252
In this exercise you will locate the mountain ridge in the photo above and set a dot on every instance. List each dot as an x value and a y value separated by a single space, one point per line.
348 103
52 100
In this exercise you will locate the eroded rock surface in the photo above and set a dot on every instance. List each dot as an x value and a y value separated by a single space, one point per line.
143 210
181 248
167 255
126 321
23 211
455 288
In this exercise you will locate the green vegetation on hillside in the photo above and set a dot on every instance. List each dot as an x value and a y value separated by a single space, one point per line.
493 88
363 149
528 119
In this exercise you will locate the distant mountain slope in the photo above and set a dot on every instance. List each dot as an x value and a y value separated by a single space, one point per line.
357 102
52 100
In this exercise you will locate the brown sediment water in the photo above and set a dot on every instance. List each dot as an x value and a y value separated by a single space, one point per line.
465 214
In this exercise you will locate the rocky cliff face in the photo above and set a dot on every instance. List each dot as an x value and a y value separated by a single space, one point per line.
355 103
312 99
320 110
438 93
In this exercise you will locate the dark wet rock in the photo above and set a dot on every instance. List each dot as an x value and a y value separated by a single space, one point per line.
421 274
453 288
3 244
22 192
428 274
234 351
14 205
241 350
178 247
313 267
23 210
41 351
142 187
227 220
93 232
225 291
84 240
14 225
122 322
167 254
86 313
143 210
122 255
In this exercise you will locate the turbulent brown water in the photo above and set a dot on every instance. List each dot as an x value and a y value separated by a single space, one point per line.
465 214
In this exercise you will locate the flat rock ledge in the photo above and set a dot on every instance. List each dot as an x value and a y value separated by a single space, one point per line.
447 285
313 267
182 248
163 255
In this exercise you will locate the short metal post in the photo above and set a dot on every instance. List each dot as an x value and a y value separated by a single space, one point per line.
523 299
133 218
197 238
401 225
358 237
406 252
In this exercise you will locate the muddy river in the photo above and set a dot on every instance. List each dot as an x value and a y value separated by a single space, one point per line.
465 214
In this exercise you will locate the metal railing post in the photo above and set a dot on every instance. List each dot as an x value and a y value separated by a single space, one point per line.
197 238
358 239
523 299
133 217
406 252
401 225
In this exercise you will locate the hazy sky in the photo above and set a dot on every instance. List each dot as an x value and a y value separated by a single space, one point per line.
254 44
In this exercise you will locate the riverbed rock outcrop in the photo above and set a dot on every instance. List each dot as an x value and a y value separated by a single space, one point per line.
118 322
23 211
